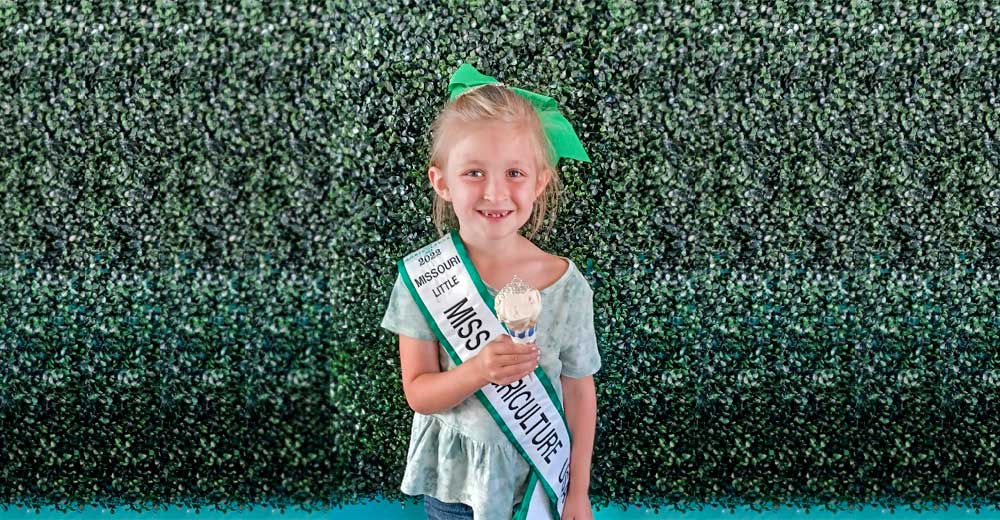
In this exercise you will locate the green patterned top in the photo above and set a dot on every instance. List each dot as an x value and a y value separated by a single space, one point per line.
460 455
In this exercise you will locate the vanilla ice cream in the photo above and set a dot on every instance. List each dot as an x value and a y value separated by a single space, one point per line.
518 305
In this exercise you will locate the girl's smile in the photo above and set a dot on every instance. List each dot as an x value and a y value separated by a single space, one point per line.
495 215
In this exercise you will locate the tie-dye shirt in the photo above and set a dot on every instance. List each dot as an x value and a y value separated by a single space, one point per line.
460 455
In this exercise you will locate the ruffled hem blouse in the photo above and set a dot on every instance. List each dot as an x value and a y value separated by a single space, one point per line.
460 454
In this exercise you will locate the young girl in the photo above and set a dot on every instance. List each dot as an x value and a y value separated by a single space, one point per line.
493 168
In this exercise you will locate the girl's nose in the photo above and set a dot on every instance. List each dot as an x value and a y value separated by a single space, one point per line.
496 189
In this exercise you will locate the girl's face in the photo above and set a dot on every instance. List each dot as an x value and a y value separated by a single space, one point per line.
490 168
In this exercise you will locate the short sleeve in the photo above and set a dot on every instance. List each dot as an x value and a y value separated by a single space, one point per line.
579 355
403 316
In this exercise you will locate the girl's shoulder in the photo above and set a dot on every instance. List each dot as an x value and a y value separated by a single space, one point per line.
562 271
555 268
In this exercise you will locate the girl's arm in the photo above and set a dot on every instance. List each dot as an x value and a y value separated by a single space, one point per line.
580 402
429 390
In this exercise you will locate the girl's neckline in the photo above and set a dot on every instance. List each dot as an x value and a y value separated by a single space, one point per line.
564 277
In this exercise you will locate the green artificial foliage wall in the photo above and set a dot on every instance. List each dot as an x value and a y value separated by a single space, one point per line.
790 225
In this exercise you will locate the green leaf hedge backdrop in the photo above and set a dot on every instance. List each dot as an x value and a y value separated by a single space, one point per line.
790 226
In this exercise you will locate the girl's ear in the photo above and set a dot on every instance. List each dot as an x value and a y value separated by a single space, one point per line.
543 181
438 182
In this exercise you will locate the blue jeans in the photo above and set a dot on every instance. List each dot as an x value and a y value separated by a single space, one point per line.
438 510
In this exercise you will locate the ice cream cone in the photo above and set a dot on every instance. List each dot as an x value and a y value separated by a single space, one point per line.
518 307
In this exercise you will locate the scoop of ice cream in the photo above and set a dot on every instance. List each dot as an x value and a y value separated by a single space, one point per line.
518 305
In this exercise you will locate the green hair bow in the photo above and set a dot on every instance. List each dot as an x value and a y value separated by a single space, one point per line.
560 133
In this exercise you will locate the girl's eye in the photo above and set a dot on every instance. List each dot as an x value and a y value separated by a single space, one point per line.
522 174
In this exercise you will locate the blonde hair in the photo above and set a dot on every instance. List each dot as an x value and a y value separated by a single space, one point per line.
492 103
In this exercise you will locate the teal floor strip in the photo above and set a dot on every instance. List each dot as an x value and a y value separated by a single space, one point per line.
393 510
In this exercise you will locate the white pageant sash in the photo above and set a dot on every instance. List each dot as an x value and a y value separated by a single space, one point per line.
459 309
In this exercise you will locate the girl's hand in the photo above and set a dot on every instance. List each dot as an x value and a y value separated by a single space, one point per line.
577 507
497 363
